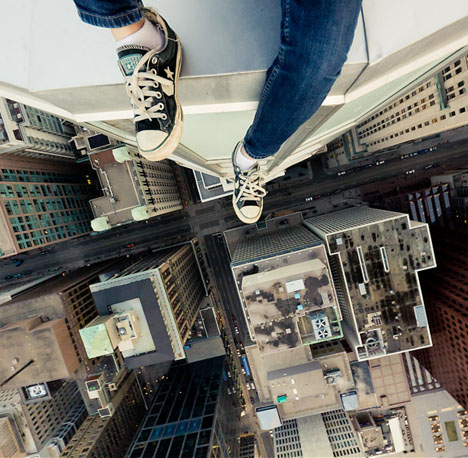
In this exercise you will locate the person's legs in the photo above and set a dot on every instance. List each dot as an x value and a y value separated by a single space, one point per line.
150 58
315 38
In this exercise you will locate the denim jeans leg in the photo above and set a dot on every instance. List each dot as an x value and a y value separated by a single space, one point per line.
315 39
110 13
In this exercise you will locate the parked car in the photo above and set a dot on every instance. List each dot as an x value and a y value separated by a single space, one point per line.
380 162
410 172
8 277
17 262
17 275
437 164
343 172
404 156
428 166
432 148
27 273
415 153
368 166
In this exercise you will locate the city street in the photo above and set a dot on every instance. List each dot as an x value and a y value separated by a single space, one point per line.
202 219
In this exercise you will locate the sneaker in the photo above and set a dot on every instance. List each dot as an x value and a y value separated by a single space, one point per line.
151 83
247 198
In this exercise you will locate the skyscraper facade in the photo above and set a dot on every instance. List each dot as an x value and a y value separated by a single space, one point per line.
110 436
39 330
41 202
191 416
32 132
134 188
160 294
446 293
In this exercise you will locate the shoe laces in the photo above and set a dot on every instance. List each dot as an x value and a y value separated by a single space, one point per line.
250 183
142 90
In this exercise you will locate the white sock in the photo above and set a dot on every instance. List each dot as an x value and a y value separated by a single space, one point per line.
244 163
149 35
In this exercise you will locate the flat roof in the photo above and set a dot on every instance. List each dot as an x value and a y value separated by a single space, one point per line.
143 290
283 377
290 299
43 351
120 194
381 260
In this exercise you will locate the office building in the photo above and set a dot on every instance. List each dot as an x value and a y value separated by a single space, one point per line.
376 256
148 309
219 90
10 446
288 294
457 183
248 446
134 188
110 435
30 132
423 201
324 435
383 432
191 415
419 378
42 202
438 424
39 330
40 425
446 293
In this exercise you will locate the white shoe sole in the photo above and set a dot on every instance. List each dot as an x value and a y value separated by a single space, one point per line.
169 145
243 218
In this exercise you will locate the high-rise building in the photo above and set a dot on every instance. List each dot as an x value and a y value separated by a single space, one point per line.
191 415
457 183
286 287
31 132
134 188
148 309
446 293
39 330
42 202
110 435
248 446
220 86
419 378
37 424
376 256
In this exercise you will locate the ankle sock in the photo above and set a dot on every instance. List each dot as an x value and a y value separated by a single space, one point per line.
244 163
149 35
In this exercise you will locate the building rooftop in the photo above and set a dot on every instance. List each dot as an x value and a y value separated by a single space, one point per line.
381 253
118 185
290 299
34 351
297 384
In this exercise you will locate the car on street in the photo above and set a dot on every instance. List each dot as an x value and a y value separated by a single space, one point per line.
343 172
410 172
432 148
236 329
130 245
252 400
437 164
44 253
428 166
317 197
326 194
8 277
27 273
368 166
404 156
415 153
380 162
17 275
17 262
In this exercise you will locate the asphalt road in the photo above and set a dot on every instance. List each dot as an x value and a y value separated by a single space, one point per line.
201 219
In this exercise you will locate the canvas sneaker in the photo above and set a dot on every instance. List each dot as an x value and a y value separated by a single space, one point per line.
247 198
151 83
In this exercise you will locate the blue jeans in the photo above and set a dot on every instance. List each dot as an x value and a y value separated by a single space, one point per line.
315 39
